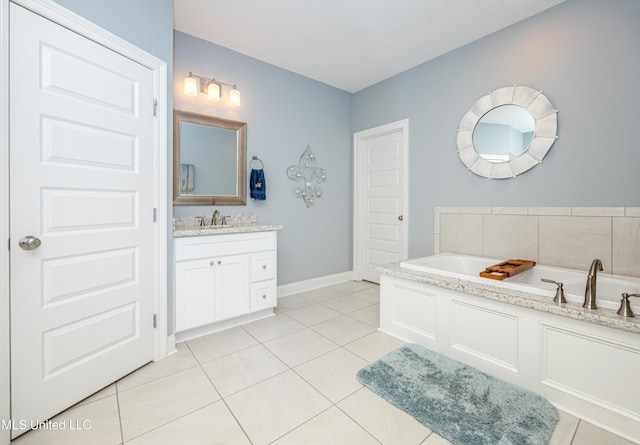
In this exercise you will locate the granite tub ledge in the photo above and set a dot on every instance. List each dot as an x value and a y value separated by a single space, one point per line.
601 316
219 230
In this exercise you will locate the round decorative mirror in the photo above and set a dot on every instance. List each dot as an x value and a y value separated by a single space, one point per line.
507 132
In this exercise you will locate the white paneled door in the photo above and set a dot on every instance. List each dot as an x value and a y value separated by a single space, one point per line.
380 195
81 185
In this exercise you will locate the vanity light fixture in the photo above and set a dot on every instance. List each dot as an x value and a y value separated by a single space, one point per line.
211 87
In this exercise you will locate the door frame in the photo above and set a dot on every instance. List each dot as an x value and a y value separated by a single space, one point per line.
56 13
359 216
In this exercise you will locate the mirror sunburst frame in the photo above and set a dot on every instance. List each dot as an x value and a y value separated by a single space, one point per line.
546 131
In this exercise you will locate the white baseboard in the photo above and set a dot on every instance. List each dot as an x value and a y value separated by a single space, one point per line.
222 325
314 283
171 345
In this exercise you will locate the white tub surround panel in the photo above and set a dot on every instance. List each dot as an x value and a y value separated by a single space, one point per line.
585 362
568 237
224 277
461 233
574 242
498 235
626 245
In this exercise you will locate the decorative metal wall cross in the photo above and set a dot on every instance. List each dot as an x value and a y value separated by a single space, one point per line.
307 172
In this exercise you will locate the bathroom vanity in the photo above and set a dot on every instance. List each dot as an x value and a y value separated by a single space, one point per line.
224 276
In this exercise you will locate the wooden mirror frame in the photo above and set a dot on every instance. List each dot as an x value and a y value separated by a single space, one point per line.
241 129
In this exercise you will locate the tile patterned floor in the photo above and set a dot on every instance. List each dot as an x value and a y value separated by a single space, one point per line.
287 379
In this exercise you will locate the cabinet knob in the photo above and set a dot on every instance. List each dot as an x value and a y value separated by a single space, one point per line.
264 297
211 263
219 262
264 266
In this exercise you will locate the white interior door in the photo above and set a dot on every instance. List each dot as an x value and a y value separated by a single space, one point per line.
81 182
381 197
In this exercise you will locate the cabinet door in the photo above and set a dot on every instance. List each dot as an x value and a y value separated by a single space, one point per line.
194 293
232 286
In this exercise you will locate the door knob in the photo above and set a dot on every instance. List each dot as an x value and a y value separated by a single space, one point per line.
400 218
29 243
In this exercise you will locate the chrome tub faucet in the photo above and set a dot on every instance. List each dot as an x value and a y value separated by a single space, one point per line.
592 279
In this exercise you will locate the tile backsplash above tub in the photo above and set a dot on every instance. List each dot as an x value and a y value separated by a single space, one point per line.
556 236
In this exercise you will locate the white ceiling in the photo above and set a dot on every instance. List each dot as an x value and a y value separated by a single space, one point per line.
349 44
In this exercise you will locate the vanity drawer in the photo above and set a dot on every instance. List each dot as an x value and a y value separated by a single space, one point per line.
263 295
263 266
206 246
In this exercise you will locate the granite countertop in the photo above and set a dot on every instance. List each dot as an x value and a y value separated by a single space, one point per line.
219 230
601 316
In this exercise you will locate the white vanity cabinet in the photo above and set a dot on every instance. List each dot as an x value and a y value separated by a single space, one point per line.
222 280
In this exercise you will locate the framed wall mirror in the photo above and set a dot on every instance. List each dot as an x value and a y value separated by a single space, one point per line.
209 157
507 132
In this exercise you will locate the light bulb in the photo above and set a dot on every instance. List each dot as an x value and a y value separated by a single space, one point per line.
213 92
234 97
190 86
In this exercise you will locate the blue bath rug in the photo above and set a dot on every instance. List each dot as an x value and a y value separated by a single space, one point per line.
458 402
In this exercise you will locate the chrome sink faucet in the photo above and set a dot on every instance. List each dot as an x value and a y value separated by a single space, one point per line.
592 279
215 219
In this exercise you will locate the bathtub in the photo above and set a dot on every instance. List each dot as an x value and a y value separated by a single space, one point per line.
586 362
609 287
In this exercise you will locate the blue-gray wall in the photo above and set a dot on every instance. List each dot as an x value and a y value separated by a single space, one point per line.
284 112
583 54
148 24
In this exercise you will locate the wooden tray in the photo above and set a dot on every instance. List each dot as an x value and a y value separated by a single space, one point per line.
507 269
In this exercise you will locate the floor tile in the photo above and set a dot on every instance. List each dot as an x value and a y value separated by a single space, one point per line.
176 400
213 424
294 302
565 429
589 434
372 295
347 303
333 373
95 423
374 346
272 408
299 346
179 361
220 344
330 427
314 314
154 404
369 315
242 369
384 421
343 330
322 294
434 439
272 327
348 287
104 392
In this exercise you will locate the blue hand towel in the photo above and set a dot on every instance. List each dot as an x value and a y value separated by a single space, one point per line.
258 188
